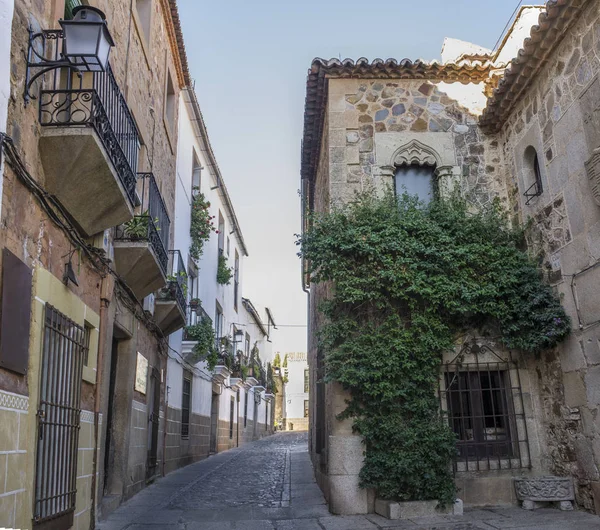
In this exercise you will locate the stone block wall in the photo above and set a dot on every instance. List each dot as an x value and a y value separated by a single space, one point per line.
558 117
182 451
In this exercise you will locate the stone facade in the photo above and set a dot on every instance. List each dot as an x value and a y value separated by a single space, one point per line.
371 119
119 327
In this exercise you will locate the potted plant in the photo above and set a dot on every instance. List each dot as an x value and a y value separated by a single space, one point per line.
195 303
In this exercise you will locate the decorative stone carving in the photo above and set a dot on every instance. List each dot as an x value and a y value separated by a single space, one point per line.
535 490
416 153
592 167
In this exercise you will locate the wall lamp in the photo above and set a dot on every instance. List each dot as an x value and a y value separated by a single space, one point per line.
86 44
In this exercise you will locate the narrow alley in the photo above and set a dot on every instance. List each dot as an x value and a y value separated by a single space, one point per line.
269 485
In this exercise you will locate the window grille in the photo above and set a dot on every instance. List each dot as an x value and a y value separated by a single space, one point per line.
483 403
306 408
306 378
58 420
185 406
231 409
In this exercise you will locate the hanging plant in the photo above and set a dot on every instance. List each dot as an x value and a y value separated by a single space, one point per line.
203 334
201 225
407 280
224 273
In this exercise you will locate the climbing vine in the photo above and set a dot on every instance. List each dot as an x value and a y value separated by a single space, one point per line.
224 273
201 225
406 280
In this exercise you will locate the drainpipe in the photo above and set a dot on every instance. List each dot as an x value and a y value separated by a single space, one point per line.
167 388
104 303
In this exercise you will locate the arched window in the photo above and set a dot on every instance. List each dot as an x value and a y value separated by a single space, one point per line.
415 180
532 177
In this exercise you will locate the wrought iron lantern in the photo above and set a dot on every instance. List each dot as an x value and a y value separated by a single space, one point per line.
87 41
86 44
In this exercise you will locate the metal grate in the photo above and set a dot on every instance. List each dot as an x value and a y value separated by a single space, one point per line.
483 402
185 406
58 420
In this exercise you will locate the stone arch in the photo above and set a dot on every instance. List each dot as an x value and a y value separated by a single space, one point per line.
416 153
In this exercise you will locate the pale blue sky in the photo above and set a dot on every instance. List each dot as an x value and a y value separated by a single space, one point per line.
249 61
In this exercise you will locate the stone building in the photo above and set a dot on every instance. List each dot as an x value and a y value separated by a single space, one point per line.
519 124
87 207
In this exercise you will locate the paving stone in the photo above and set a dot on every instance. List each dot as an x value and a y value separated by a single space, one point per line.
298 524
346 522
270 485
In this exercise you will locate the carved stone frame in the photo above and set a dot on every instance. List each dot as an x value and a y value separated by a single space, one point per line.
432 149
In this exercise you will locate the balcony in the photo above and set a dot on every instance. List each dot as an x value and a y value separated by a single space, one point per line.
89 142
195 315
170 306
141 258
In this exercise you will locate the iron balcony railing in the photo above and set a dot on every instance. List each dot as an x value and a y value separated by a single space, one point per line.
152 224
90 100
177 278
195 315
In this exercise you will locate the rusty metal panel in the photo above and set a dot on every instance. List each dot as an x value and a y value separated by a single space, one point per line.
16 313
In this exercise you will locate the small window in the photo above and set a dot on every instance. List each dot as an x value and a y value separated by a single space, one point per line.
87 333
170 102
218 322
228 245
236 280
221 230
306 408
196 175
479 413
415 180
144 13
185 405
533 175
306 379
247 346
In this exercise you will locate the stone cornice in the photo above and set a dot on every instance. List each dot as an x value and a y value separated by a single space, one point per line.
175 35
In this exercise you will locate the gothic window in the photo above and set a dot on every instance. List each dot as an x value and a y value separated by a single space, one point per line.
415 180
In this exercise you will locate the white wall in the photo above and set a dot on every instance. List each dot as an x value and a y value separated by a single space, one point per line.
294 390
209 290
6 16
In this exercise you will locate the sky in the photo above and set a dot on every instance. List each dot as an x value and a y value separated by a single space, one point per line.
249 62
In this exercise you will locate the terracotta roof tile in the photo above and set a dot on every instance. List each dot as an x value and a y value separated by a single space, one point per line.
322 69
552 25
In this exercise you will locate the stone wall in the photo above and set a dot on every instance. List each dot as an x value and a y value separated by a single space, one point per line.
366 116
182 451
557 116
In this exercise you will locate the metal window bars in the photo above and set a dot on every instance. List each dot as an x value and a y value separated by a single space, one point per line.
76 99
152 224
533 191
58 420
483 403
185 406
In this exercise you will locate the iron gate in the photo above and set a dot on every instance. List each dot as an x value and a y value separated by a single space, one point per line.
58 421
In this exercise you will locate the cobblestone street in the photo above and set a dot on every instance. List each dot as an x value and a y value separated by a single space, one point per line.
269 485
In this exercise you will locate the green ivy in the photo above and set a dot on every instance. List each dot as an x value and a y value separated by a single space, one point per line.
201 225
224 273
407 280
204 349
